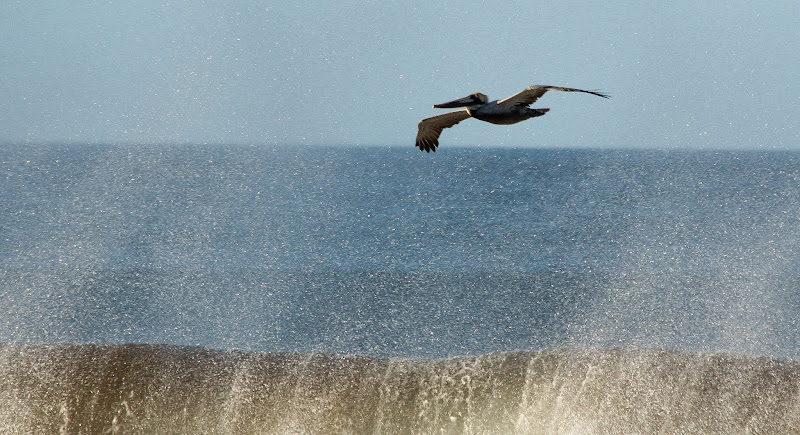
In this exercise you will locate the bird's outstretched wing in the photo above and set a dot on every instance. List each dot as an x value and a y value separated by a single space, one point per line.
532 93
431 128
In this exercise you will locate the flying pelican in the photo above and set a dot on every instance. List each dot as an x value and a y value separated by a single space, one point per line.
508 111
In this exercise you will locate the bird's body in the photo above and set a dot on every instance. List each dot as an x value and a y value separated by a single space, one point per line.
511 110
504 115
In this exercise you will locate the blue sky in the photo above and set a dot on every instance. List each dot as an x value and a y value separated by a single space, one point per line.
682 74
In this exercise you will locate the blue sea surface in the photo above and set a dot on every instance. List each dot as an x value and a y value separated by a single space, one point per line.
391 252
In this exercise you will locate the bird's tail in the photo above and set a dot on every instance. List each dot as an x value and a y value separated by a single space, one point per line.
538 112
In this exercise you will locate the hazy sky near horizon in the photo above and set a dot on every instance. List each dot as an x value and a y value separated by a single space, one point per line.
683 74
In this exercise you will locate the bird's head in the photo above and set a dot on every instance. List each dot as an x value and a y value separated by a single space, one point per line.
471 100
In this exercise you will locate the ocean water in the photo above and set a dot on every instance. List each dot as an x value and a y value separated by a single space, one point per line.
258 289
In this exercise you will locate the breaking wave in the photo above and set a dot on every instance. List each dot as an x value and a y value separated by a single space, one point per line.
174 389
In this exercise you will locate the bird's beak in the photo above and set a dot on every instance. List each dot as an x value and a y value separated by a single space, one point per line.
461 102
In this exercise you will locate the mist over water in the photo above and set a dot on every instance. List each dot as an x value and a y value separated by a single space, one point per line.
611 266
